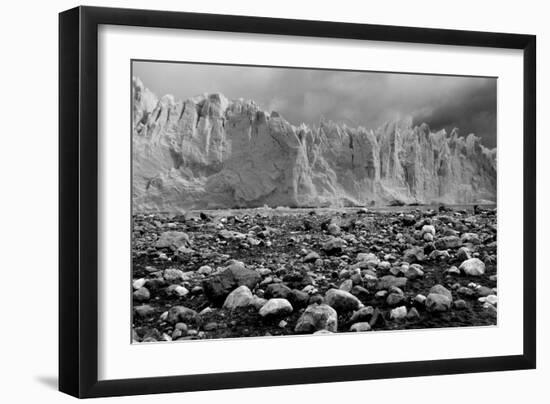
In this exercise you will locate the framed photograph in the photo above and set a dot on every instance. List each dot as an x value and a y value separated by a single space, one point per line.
252 201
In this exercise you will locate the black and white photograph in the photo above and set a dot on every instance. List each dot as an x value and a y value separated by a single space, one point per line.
273 201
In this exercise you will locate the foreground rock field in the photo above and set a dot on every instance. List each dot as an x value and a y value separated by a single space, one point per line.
269 272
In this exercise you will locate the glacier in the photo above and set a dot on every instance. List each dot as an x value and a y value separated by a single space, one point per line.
209 152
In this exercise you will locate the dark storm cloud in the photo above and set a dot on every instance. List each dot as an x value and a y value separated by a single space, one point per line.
473 110
357 98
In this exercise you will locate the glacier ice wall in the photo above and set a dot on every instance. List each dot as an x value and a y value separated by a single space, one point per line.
210 152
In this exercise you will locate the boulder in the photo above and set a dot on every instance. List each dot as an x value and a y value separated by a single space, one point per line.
219 285
360 327
441 290
437 303
414 254
398 313
447 242
388 281
173 240
414 271
427 228
470 238
368 258
173 275
312 257
342 301
239 298
334 246
317 317
334 229
473 267
205 270
278 290
460 304
463 254
182 314
144 311
244 276
276 307
142 294
298 298
347 285
413 314
395 299
363 314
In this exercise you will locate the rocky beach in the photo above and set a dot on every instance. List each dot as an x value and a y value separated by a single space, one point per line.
248 225
274 272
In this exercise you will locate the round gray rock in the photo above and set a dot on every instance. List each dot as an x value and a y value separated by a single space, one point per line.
276 307
317 317
240 297
473 267
341 300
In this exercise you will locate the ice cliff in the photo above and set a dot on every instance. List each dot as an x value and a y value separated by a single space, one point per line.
211 152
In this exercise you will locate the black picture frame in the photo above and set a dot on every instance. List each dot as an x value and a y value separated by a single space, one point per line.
78 201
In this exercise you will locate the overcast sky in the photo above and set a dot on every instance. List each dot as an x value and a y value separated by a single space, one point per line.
356 98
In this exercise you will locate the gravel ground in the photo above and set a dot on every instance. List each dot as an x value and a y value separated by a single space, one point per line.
266 272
